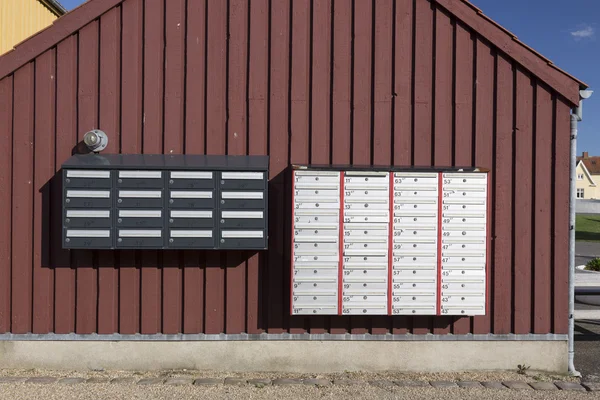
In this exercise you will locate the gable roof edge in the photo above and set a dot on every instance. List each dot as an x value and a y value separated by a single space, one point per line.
590 176
561 82
47 38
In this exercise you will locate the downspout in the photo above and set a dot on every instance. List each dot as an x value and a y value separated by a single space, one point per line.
576 117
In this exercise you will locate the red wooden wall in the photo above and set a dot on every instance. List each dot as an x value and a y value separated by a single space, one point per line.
324 81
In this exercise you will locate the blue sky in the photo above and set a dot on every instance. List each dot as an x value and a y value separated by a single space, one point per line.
564 31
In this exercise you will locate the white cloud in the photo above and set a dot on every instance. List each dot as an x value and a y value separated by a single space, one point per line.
584 32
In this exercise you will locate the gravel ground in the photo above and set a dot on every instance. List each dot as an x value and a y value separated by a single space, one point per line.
530 376
363 390
108 391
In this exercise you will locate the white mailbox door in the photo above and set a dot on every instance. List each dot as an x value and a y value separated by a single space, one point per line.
464 238
316 243
366 235
414 283
368 242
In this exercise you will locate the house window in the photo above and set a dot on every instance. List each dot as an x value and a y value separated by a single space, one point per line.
580 193
580 177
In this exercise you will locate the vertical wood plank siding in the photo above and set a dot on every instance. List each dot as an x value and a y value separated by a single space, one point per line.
399 82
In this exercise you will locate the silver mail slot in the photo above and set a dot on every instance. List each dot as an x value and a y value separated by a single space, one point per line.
191 195
140 213
140 174
243 214
191 214
96 194
242 175
191 175
242 234
140 194
140 233
88 174
191 234
88 213
88 233
242 195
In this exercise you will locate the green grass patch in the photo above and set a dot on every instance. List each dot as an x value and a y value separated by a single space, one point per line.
587 228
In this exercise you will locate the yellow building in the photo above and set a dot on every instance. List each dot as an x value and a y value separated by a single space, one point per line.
588 175
20 19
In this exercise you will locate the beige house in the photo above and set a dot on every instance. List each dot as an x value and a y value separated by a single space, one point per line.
588 176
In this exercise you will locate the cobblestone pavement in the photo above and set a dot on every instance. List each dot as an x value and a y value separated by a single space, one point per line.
220 385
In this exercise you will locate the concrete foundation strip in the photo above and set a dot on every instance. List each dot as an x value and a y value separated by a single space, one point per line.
178 381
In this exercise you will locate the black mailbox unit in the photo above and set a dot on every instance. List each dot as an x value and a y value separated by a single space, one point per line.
165 202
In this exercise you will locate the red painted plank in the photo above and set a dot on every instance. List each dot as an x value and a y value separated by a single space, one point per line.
484 158
382 76
273 294
257 140
362 132
22 200
195 83
216 116
503 202
560 245
258 75
342 83
150 309
87 99
382 107
66 139
363 42
320 105
214 310
300 114
523 203
131 143
44 137
6 141
403 60
194 263
423 106
300 71
173 138
193 291
235 290
423 90
542 261
402 104
110 76
216 64
463 117
321 83
151 282
341 122
172 292
444 53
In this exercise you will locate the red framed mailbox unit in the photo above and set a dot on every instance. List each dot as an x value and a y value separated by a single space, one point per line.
389 241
